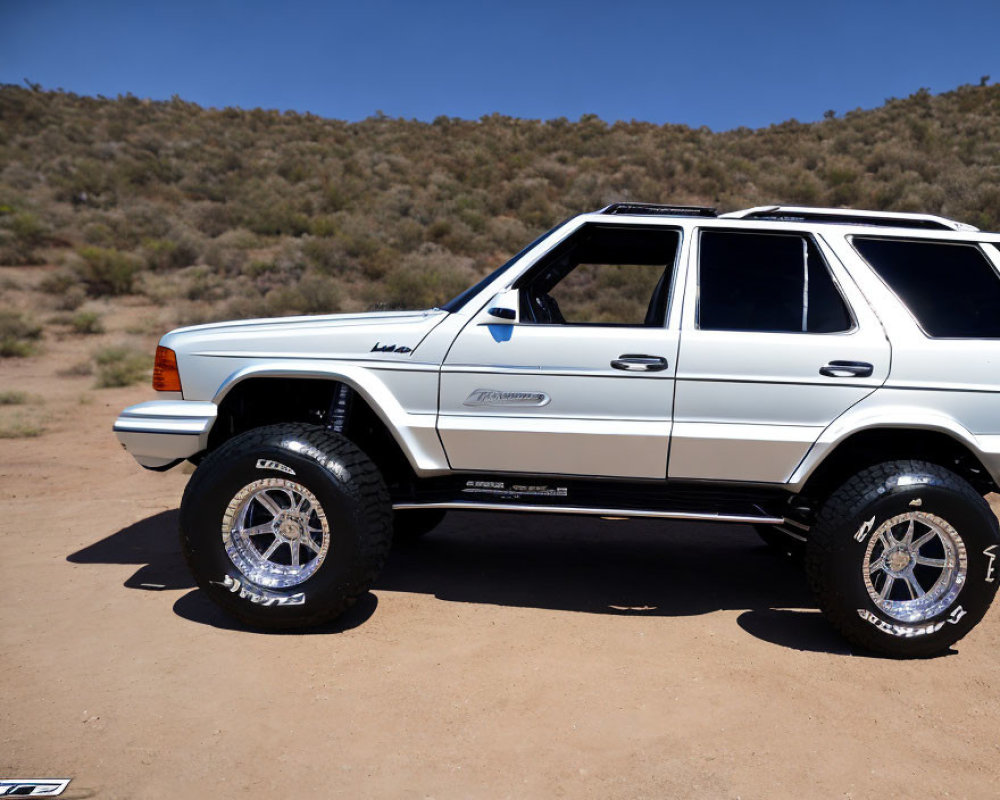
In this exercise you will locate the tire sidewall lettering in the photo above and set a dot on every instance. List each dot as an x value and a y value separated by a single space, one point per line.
927 496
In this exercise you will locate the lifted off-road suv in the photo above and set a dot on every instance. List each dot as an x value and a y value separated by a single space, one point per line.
829 376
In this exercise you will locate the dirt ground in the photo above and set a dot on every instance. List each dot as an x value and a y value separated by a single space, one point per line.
501 657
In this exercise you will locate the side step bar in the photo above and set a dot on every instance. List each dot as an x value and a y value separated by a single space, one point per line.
761 518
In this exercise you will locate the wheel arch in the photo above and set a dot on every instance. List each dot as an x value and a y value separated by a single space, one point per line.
829 464
263 395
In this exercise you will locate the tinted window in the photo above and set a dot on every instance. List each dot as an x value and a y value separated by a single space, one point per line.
766 282
603 275
951 289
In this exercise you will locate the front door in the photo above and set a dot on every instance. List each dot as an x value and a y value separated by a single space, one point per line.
581 381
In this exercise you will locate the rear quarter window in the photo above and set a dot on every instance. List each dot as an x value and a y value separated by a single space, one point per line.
951 289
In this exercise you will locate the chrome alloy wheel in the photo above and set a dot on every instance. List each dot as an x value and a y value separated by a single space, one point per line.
275 533
915 566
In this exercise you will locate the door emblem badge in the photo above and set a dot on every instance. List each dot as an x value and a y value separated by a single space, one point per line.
494 397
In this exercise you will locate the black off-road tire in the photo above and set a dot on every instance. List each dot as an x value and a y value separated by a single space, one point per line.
850 519
409 525
781 542
348 488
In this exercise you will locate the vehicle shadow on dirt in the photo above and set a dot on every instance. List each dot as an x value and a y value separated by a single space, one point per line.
628 567
152 543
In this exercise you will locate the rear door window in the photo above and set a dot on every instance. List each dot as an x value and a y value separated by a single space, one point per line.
767 282
950 288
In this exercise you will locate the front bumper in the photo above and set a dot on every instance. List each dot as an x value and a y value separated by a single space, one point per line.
160 433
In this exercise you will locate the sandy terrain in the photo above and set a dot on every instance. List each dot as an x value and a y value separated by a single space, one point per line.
501 657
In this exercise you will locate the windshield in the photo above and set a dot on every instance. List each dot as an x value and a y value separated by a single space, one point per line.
457 303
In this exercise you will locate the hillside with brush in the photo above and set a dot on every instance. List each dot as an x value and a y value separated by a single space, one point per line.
204 214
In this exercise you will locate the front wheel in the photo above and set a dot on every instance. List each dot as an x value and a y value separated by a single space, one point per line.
285 526
902 558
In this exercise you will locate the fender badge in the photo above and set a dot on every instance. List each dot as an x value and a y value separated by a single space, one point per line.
390 348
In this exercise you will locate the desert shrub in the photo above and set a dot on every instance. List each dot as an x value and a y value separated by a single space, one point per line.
423 279
121 365
275 218
105 271
212 219
99 233
12 397
314 294
87 323
166 254
78 370
282 269
203 284
325 255
228 260
324 225
64 290
18 334
238 238
22 234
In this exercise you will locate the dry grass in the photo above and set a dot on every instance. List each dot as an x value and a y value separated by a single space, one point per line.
121 365
19 426
12 397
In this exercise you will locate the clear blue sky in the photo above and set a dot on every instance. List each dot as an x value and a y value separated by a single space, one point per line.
721 64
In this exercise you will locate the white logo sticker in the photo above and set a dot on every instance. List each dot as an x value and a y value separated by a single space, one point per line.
991 553
33 787
864 530
260 596
266 463
902 631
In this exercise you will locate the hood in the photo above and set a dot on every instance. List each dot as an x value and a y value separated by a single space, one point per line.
205 352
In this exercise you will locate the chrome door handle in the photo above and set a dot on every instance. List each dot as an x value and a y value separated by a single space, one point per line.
632 362
847 369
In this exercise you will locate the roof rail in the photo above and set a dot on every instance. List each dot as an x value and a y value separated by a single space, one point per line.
891 219
654 209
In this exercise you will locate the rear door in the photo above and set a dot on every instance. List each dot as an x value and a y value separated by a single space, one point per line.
581 381
776 343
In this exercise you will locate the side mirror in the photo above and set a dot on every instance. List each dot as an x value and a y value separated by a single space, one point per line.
503 308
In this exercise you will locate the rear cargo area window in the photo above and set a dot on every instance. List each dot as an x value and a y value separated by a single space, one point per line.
951 289
766 282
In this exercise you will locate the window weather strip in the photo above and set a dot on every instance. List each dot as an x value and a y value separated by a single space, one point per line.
805 285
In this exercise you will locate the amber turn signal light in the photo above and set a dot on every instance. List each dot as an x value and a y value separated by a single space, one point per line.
166 378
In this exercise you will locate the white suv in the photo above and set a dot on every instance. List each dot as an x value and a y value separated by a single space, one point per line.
829 376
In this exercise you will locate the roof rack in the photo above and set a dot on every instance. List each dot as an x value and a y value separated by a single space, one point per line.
891 219
654 209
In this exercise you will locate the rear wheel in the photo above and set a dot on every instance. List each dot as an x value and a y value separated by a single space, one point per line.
285 526
902 558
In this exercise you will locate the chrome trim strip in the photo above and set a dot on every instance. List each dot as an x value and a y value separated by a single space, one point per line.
164 427
373 363
599 512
